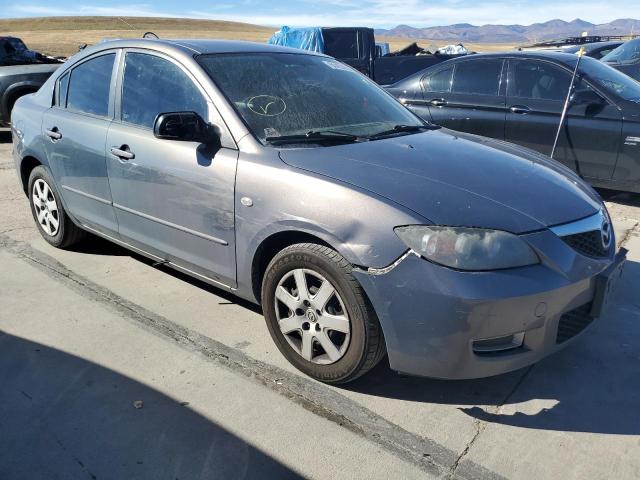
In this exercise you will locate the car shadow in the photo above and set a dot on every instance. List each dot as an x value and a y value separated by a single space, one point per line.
5 136
625 198
65 417
591 386
94 245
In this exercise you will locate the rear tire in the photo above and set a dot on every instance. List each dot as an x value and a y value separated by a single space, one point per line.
53 223
327 328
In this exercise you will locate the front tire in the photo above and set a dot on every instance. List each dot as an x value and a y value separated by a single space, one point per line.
53 223
319 316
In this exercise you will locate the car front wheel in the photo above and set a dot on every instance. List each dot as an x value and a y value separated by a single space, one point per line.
319 316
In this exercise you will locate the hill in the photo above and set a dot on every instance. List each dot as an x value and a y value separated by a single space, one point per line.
553 29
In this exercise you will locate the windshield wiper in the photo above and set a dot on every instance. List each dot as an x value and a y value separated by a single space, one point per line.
314 136
403 129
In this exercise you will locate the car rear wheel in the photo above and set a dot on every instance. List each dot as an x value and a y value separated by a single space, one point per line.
319 316
53 223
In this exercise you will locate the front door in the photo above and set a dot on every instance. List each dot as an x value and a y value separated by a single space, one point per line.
590 138
173 199
473 102
75 129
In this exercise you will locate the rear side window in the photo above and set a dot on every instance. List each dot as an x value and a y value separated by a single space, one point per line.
538 81
341 44
89 86
154 85
478 77
63 87
439 81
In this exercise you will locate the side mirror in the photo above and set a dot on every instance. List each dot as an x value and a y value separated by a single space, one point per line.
185 127
586 97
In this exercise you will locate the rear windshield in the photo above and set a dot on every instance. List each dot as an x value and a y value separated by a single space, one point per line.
628 52
279 94
611 79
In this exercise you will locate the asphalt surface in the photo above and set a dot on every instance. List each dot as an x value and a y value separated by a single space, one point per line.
112 368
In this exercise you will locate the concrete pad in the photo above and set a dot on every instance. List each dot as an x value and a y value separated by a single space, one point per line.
71 372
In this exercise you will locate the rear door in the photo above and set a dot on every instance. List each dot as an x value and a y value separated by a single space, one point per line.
590 138
75 129
474 102
173 199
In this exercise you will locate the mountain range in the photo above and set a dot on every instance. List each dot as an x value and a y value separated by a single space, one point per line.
537 32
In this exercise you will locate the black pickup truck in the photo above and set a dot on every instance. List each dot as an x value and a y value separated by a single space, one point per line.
356 46
22 71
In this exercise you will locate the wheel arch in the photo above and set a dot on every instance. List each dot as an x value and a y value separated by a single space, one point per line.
27 164
269 248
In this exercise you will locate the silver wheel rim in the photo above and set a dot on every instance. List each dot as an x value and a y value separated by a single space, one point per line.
46 207
312 317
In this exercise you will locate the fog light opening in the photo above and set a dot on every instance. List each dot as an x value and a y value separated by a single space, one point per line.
499 344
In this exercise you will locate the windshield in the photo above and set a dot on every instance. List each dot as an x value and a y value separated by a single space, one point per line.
628 52
611 79
283 94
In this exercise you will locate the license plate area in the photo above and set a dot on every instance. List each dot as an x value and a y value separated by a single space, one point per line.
606 283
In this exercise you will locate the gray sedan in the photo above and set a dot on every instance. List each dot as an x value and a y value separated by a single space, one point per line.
295 182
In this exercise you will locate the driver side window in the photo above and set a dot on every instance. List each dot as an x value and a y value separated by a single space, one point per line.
537 80
153 85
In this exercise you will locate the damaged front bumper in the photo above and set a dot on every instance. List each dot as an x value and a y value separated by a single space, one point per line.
443 323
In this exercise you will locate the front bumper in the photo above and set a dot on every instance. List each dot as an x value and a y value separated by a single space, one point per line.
433 316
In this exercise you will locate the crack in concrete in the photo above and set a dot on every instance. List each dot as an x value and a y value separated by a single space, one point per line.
480 425
76 459
633 231
425 453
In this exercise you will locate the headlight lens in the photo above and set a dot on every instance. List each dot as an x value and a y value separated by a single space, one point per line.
474 249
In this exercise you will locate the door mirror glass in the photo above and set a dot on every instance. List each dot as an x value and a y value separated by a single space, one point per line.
185 127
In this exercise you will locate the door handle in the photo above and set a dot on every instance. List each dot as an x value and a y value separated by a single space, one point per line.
123 152
53 133
520 109
438 102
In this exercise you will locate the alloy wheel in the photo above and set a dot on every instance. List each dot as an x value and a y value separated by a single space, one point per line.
312 317
46 207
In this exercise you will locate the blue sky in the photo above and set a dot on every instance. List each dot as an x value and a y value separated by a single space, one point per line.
376 13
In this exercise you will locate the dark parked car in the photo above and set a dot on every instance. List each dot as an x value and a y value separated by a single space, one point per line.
292 180
519 97
626 58
22 71
595 50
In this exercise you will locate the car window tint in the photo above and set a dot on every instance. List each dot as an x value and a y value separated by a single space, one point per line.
89 86
439 81
480 77
538 81
63 86
154 85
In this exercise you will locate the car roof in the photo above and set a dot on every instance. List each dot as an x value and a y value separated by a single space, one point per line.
567 59
196 46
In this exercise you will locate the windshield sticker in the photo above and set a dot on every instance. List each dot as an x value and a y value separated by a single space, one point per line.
266 105
336 65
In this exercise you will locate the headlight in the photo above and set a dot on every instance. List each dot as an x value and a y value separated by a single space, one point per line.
468 248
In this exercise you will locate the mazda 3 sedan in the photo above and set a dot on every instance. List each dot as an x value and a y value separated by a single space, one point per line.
295 182
519 97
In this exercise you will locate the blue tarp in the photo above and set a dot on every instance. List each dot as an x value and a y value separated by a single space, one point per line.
303 38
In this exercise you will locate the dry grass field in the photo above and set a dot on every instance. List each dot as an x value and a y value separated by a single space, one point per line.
63 35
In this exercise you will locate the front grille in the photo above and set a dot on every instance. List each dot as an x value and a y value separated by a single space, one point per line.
573 322
587 243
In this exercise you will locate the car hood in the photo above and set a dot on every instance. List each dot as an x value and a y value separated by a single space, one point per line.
457 179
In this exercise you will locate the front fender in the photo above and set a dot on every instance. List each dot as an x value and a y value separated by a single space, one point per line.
357 224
